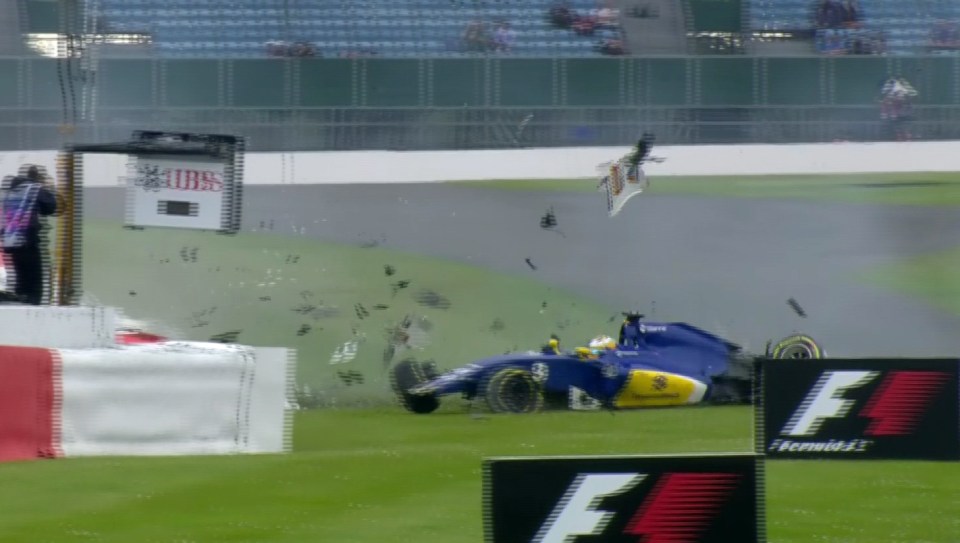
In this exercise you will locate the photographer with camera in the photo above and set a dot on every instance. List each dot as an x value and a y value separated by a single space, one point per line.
26 198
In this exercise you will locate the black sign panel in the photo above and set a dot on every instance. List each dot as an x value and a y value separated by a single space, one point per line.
859 408
183 209
629 499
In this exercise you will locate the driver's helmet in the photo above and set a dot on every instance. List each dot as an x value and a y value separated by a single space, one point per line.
602 343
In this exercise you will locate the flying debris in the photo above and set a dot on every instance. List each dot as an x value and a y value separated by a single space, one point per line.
304 309
549 222
188 254
226 337
388 354
796 307
351 377
432 299
371 243
549 219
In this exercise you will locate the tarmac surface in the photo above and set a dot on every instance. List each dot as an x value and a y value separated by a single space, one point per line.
725 264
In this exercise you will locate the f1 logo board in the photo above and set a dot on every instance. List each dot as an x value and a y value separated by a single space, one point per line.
880 408
621 499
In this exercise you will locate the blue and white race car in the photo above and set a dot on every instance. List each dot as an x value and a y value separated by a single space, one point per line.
648 365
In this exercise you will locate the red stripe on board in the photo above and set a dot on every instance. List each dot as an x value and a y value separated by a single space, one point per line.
28 396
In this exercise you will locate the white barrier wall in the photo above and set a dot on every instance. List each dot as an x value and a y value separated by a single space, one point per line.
57 327
175 399
555 163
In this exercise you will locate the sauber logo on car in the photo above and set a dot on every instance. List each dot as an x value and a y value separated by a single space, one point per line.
893 409
678 508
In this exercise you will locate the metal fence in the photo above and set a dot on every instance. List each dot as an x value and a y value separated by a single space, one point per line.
338 104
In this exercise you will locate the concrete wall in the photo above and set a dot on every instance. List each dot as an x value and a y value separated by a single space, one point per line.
552 163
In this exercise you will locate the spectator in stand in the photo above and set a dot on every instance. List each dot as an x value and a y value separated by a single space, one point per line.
284 49
476 39
302 49
584 25
838 14
827 14
561 16
612 46
833 42
608 17
503 37
276 49
945 35
850 10
860 45
866 43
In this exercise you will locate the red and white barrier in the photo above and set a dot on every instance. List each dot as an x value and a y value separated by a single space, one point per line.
168 398
29 403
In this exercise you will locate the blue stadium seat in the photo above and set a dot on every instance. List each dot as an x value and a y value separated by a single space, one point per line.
906 26
401 28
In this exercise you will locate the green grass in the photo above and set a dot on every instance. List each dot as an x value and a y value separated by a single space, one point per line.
932 278
361 476
930 189
252 283
365 475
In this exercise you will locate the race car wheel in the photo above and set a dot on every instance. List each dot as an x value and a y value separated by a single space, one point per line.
408 374
513 390
799 346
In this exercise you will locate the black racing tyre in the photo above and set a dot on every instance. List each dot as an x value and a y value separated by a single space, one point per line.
408 374
513 390
429 370
799 346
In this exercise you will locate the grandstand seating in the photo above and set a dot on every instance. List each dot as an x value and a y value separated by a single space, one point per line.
905 25
385 28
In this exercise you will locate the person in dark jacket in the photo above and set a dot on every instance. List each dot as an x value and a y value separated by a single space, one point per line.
25 200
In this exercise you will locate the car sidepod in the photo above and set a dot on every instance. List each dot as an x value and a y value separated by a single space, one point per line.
650 388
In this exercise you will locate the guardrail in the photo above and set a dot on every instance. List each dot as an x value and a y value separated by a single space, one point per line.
345 167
